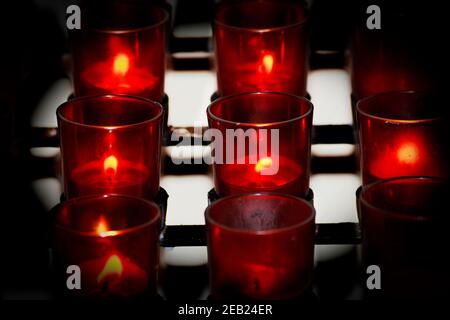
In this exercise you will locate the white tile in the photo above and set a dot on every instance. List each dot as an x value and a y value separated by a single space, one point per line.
330 93
334 197
188 198
189 95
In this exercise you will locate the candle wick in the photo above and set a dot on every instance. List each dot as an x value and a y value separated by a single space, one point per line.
105 286
257 285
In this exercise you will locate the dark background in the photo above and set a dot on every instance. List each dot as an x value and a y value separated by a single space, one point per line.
33 43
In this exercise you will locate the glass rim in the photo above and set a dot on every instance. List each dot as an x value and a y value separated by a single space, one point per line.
162 21
303 21
117 233
368 115
392 213
214 117
62 107
303 222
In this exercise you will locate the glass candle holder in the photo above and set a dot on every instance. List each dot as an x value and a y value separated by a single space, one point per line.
402 55
121 54
260 246
261 46
110 144
261 142
403 134
112 240
404 224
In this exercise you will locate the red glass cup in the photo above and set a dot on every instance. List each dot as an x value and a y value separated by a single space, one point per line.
261 46
399 56
404 223
110 144
403 134
111 241
260 246
261 143
121 54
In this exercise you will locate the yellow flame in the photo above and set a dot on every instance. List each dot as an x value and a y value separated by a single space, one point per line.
110 165
263 163
408 153
113 266
267 63
121 64
102 228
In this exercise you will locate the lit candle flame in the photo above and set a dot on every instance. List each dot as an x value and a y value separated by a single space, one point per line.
113 266
121 64
267 63
110 165
263 163
102 229
408 153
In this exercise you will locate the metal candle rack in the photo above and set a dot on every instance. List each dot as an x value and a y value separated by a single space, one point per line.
195 235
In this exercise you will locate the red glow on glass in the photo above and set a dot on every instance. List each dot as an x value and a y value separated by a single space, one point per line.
112 57
99 150
267 63
283 166
110 166
113 268
102 228
121 64
404 156
251 241
264 50
408 153
247 177
263 163
402 134
117 252
119 74
113 275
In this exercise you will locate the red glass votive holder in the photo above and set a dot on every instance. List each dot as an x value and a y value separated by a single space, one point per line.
113 240
399 56
123 54
110 144
261 46
264 143
403 134
260 246
404 224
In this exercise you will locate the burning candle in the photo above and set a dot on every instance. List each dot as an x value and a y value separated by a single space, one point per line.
121 57
404 224
402 134
261 46
113 240
110 144
245 178
119 76
260 246
110 176
264 143
112 275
